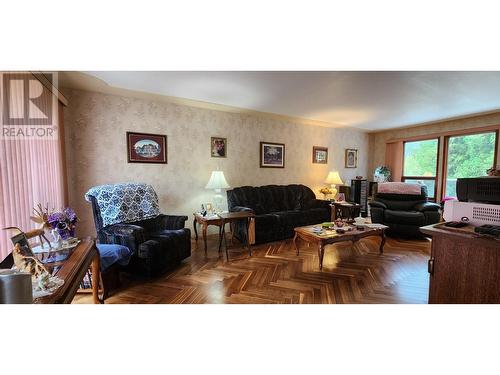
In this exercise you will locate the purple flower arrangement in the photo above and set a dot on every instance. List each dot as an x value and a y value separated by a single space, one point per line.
64 222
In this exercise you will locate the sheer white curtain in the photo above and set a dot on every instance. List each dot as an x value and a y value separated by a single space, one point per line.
31 172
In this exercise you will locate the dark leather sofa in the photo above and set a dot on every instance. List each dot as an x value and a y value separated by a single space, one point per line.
157 244
404 214
278 210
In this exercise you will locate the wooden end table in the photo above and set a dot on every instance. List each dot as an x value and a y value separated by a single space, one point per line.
344 210
204 222
231 217
306 234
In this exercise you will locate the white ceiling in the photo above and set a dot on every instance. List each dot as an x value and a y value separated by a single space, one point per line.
366 100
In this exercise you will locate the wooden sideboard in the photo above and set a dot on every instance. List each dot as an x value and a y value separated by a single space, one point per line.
464 267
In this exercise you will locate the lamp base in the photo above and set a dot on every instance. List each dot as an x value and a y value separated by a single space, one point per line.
334 192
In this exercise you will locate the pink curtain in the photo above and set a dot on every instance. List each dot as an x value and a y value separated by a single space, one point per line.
31 172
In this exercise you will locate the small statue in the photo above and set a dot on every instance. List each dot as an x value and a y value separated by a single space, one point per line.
40 216
25 261
57 238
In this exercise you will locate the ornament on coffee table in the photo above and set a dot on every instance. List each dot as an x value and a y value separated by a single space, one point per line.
40 216
63 224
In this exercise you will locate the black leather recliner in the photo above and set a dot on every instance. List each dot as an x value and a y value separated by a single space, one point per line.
157 243
404 214
278 210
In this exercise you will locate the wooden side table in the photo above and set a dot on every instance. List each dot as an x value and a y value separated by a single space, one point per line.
204 222
344 210
231 217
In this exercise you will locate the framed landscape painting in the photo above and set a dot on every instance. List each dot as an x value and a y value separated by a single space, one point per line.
272 155
351 158
146 148
320 155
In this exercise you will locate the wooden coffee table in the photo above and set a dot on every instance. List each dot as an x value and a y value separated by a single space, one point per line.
306 233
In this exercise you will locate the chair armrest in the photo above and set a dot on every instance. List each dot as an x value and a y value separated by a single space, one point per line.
241 209
172 221
123 234
426 206
377 204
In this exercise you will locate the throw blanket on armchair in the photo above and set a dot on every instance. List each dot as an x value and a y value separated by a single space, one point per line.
125 203
399 188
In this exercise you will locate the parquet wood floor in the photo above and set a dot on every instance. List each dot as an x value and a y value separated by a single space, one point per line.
274 274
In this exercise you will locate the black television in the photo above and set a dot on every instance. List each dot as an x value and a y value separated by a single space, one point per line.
479 189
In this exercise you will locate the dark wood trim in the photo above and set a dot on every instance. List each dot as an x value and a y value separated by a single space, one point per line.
319 148
273 144
165 145
62 148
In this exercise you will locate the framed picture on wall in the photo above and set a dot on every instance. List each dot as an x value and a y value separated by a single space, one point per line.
272 155
218 147
320 155
146 148
351 158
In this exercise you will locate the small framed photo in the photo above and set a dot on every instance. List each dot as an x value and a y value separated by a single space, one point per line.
320 155
210 208
272 155
23 243
218 147
146 148
340 197
351 158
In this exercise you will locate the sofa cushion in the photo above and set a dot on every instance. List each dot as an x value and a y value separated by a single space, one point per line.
404 217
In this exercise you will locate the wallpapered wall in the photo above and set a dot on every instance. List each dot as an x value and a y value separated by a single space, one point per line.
378 140
96 125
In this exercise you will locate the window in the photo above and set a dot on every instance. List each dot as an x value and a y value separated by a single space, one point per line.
468 156
420 163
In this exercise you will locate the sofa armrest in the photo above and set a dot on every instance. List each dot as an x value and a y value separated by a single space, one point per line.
378 204
172 221
123 234
319 203
426 206
241 209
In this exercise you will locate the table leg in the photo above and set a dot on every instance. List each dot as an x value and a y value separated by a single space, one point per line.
220 236
382 242
295 244
248 237
96 272
204 231
321 252
225 241
195 231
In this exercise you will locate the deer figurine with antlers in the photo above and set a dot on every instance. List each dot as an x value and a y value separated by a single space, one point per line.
40 216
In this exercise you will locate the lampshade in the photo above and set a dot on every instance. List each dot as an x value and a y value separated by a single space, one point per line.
333 178
217 181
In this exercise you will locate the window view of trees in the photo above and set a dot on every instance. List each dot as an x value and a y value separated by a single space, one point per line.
468 156
420 161
421 158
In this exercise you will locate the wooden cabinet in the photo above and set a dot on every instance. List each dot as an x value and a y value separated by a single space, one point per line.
359 194
463 268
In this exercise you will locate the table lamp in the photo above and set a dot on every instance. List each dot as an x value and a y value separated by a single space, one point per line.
333 179
217 182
